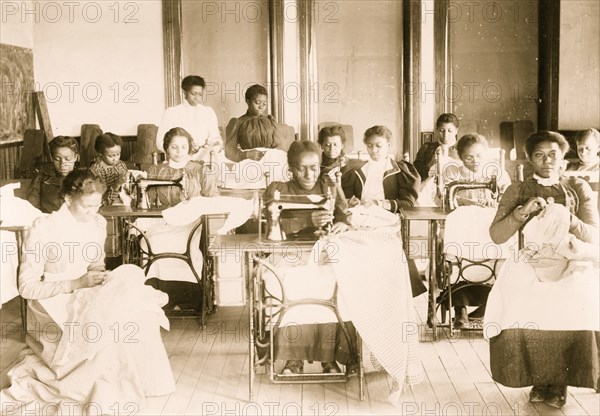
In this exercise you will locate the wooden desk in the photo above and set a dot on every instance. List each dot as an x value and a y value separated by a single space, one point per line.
248 246
125 217
436 218
19 231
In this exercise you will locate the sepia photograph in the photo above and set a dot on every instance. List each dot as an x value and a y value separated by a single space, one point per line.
299 207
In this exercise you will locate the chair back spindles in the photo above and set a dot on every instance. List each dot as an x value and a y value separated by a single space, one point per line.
520 172
503 159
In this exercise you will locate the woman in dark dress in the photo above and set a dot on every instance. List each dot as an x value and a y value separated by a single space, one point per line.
542 316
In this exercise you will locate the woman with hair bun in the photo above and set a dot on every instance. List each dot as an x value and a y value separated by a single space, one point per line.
93 336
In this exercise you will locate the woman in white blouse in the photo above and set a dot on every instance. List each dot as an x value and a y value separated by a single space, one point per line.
93 336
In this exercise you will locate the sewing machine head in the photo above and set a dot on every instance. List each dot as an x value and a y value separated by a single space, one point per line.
142 184
452 189
296 203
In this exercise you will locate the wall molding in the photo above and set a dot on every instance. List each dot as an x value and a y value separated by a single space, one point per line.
172 25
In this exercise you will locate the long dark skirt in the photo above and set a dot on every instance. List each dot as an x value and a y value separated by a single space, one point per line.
315 342
525 357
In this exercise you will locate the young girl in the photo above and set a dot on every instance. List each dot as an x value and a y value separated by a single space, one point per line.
447 129
472 150
381 180
44 192
588 164
174 276
109 166
333 159
238 145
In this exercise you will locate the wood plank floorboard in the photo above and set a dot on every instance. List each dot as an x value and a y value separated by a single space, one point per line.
210 368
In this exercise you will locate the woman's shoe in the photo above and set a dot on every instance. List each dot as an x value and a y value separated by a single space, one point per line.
351 368
556 396
293 367
330 367
538 393
461 317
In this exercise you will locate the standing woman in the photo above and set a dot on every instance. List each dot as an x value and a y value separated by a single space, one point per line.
242 140
544 328
381 180
198 119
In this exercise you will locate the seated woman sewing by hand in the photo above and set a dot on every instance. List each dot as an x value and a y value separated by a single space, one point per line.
542 314
68 289
381 180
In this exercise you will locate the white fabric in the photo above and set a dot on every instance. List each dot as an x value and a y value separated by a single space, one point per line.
374 171
170 233
67 256
105 375
372 217
374 292
427 193
165 238
379 301
200 121
125 290
187 212
13 212
465 237
552 285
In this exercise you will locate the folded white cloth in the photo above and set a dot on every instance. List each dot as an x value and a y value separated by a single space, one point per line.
187 212
16 211
372 217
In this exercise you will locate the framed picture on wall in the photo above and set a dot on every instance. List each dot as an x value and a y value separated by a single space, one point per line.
426 136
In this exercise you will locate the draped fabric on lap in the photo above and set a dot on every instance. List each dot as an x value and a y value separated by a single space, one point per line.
126 291
107 362
379 300
543 313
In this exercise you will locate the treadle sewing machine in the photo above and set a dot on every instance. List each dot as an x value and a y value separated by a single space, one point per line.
451 190
447 193
280 203
139 188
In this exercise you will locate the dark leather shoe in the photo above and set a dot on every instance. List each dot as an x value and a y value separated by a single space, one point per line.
351 368
293 367
538 393
461 318
330 367
556 396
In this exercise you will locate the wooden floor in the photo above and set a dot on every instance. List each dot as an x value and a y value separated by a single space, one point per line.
211 370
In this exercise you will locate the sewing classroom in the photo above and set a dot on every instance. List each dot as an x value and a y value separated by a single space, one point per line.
299 207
